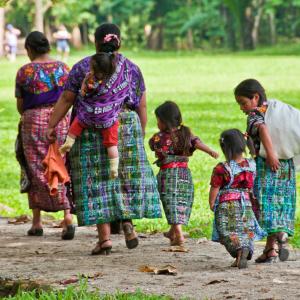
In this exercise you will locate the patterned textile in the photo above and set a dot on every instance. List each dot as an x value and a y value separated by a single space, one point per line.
276 193
40 83
235 224
35 144
99 199
176 191
100 109
163 143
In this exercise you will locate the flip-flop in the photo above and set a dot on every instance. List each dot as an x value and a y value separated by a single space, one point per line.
267 259
68 233
35 232
128 232
244 258
99 250
283 252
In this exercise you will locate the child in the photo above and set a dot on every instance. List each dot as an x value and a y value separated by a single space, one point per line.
102 67
173 144
230 198
274 128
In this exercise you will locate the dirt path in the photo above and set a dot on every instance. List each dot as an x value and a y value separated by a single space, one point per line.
203 273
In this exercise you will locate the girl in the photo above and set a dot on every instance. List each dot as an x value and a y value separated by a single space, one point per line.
172 145
230 198
275 184
97 113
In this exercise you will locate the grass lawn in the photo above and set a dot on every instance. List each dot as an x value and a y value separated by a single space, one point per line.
202 85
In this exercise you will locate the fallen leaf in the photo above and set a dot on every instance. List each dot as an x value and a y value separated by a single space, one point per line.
69 281
275 280
92 276
165 270
202 240
20 220
217 281
176 249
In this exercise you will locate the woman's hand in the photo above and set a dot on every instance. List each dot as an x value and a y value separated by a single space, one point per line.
273 162
51 134
212 205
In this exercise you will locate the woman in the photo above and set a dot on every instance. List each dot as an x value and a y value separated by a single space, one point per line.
98 199
275 182
38 87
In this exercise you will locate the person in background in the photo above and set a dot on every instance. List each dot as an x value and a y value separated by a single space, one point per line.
11 41
62 37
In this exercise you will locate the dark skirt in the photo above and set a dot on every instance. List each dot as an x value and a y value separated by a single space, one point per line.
276 193
99 199
35 144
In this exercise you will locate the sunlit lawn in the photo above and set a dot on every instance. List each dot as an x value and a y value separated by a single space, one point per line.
201 84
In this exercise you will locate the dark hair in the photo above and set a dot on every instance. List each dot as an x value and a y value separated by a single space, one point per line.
233 143
248 88
103 65
169 114
103 31
37 42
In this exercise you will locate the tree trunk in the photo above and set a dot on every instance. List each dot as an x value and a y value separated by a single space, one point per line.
248 23
39 15
85 34
272 27
257 19
190 39
229 28
1 31
76 37
156 41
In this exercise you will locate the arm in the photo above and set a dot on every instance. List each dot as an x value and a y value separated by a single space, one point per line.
265 138
20 105
142 112
213 196
61 107
201 146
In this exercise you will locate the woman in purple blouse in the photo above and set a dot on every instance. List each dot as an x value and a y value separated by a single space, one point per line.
38 87
100 200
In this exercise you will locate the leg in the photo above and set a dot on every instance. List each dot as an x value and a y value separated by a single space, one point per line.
74 131
68 231
131 238
170 234
104 244
110 141
36 228
179 238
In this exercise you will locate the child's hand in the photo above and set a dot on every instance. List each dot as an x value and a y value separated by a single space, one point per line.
214 154
212 205
273 162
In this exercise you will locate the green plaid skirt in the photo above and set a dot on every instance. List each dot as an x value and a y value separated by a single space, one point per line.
235 227
98 199
176 191
276 193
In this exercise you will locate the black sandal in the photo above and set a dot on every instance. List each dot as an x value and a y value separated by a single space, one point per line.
35 232
267 259
68 233
99 250
128 232
283 252
243 259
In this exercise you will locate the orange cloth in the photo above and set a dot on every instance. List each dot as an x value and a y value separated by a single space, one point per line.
56 171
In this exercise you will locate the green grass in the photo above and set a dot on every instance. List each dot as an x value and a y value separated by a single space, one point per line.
81 292
202 85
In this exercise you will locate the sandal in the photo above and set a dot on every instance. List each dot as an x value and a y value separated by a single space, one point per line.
266 259
68 233
129 233
99 250
283 252
35 232
242 264
177 242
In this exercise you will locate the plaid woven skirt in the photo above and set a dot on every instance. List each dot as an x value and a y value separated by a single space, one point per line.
98 199
176 191
236 228
276 193
34 129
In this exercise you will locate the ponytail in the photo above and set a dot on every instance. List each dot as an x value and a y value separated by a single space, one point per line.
182 141
250 145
